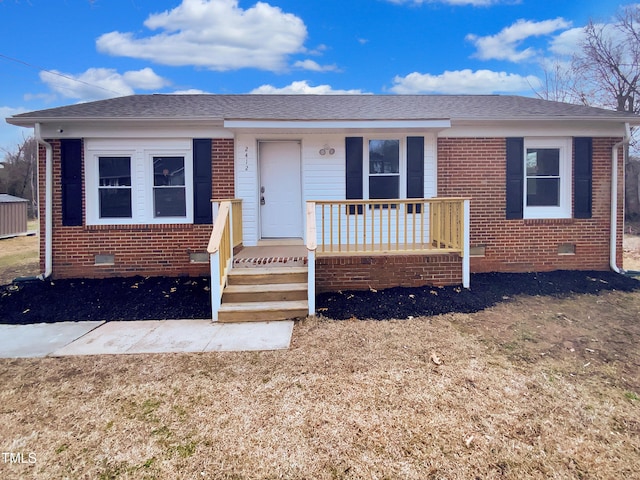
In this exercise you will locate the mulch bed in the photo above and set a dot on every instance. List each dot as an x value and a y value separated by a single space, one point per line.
156 298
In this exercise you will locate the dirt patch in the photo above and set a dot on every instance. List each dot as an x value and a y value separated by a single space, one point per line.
131 298
157 298
486 290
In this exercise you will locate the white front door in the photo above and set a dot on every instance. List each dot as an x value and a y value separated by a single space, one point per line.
280 190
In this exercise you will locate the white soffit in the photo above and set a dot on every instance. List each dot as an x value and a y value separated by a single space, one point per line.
337 125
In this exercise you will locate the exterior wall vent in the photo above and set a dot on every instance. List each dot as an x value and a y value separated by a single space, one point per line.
105 259
199 257
567 249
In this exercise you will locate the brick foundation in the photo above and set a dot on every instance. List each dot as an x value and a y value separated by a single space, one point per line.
476 168
379 271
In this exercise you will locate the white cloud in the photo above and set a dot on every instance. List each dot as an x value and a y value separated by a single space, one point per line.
568 42
302 87
315 66
464 82
191 91
504 45
215 34
99 83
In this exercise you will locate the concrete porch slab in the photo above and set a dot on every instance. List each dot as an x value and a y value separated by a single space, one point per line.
39 340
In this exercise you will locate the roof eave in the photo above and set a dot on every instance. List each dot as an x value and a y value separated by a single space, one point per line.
631 120
31 121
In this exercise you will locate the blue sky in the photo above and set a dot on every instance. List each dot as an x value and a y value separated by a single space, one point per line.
59 52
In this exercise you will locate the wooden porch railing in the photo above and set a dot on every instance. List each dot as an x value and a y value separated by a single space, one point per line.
226 234
236 217
387 226
355 227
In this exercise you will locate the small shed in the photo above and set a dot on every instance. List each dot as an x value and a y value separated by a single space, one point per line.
13 215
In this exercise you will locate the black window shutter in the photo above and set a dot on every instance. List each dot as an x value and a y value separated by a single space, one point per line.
202 181
415 170
515 177
582 187
354 152
71 170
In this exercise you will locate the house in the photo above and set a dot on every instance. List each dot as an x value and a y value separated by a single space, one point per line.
13 215
360 191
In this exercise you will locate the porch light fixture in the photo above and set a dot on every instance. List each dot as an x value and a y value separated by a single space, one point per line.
327 149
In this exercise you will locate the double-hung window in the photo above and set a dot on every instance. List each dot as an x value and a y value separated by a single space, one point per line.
138 182
114 188
169 193
384 168
547 181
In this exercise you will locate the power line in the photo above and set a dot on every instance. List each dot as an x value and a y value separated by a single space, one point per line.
58 74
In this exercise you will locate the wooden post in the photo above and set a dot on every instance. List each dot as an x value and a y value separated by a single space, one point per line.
216 294
466 268
312 244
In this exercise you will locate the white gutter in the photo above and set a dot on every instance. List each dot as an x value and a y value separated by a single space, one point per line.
48 216
613 234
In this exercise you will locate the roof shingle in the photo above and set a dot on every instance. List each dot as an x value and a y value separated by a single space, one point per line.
322 107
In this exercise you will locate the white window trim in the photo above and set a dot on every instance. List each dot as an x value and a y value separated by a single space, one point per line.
402 142
141 153
564 210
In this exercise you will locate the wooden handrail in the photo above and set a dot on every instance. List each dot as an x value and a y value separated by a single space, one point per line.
218 227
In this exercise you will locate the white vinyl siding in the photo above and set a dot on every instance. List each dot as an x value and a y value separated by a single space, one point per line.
323 176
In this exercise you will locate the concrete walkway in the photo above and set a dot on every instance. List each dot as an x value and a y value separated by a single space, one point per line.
149 336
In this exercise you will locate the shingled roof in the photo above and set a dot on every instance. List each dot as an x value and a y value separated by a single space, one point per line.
322 107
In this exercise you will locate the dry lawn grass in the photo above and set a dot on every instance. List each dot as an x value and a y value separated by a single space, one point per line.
19 256
534 388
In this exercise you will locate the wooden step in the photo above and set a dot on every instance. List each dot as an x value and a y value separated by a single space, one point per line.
265 275
271 292
262 311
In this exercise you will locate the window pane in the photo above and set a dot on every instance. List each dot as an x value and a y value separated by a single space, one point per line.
114 171
543 192
384 156
543 162
169 202
384 186
115 203
168 171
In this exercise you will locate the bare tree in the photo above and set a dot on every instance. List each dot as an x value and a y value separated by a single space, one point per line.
18 174
609 64
559 82
608 72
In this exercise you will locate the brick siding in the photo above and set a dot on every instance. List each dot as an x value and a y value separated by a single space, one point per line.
476 168
138 249
380 271
222 153
473 167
